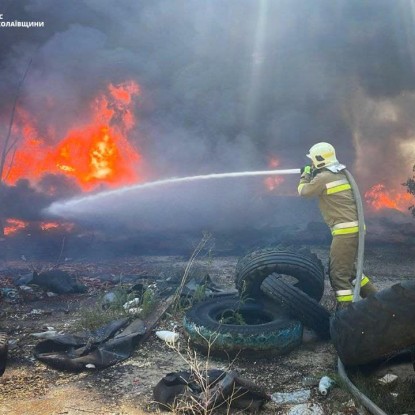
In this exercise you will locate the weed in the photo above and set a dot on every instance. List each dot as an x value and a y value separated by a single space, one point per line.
208 399
93 317
232 317
104 310
176 306
148 302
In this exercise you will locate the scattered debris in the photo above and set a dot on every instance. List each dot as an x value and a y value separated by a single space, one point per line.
10 294
325 385
306 409
299 396
388 379
169 337
101 347
135 310
58 281
310 381
205 287
108 299
214 389
50 334
131 304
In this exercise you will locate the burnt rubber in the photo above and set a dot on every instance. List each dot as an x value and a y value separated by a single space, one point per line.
3 352
376 327
298 304
302 266
264 327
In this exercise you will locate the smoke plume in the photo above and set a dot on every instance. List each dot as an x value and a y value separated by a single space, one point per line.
225 86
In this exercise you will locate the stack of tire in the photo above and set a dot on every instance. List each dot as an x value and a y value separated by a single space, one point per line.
279 293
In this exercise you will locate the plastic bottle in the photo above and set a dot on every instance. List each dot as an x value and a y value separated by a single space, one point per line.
169 337
325 384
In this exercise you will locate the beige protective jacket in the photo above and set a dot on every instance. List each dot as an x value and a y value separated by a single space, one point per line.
336 200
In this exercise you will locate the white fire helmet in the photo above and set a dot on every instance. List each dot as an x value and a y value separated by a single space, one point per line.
322 155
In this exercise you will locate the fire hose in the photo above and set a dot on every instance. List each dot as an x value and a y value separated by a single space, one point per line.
363 399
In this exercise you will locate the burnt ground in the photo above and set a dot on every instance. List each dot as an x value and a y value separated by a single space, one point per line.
30 387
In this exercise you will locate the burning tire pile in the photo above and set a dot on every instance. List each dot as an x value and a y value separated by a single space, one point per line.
279 292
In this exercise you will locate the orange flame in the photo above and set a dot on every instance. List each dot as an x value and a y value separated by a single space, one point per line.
378 197
46 226
92 154
272 182
14 225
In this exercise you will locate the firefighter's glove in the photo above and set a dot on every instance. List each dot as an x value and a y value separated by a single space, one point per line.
306 171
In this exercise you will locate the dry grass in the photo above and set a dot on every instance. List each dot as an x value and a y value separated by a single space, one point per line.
210 398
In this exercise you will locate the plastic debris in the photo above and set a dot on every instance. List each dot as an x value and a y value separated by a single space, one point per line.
325 385
51 294
9 293
299 396
90 366
130 304
25 279
310 381
306 409
108 299
45 335
168 336
388 379
26 288
135 310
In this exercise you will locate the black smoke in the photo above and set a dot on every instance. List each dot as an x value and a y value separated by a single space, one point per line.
225 85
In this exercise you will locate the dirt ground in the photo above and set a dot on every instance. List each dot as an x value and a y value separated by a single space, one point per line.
30 387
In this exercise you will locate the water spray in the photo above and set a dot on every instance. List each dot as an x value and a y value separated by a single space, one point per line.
57 208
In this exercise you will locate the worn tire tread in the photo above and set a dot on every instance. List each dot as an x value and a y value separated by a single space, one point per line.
252 269
379 325
298 304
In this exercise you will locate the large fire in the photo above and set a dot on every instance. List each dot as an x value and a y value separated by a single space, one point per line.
13 226
96 153
378 197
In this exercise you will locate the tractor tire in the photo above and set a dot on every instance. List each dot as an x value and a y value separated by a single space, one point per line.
298 304
263 327
376 327
304 270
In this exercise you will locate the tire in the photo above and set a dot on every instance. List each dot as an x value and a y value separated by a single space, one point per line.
303 267
298 304
376 327
265 328
3 352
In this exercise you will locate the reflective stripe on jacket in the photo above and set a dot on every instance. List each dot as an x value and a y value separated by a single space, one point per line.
336 200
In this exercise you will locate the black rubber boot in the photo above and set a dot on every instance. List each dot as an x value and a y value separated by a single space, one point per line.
367 289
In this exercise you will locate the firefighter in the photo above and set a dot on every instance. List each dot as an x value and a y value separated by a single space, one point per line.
325 179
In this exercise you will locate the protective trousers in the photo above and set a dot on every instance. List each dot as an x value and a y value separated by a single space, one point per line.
343 254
